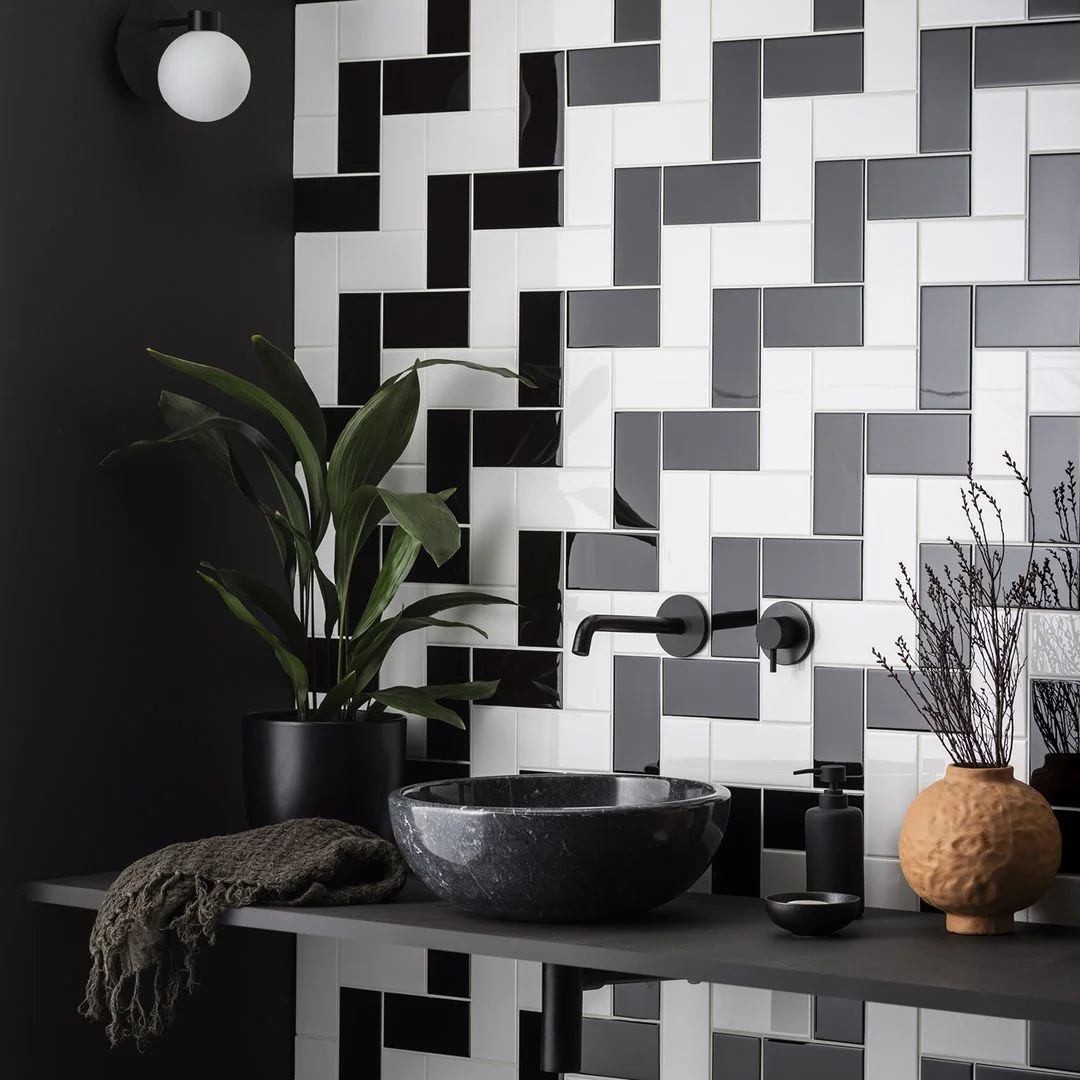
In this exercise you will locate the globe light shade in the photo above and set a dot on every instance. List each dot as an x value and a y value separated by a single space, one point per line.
204 75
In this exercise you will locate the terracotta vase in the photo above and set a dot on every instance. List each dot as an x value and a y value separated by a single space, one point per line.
1058 779
980 846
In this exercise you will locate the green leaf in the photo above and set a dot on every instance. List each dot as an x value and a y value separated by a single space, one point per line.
181 412
432 605
411 700
257 595
367 653
506 373
397 562
293 666
255 397
427 519
336 699
288 384
354 524
374 438
468 691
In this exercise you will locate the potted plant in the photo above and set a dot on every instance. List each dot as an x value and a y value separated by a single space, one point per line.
339 756
978 844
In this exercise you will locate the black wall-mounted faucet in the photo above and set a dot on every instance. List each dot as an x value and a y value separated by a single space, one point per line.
681 627
785 634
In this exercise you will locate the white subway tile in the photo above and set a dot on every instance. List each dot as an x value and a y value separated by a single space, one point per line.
1053 118
786 410
493 303
378 29
529 985
403 179
319 367
587 174
741 1008
972 250
787 158
684 747
892 782
1055 644
403 1065
447 1068
891 45
564 499
686 299
786 694
316 319
493 66
448 386
662 379
563 24
886 887
999 152
317 984
735 18
760 504
950 12
1060 904
685 1030
890 508
493 1012
597 1002
499 621
492 741
493 536
781 872
472 141
744 752
685 51
941 514
891 292
316 60
315 146
382 261
669 133
865 379
892 1042
761 254
587 679
685 546
845 632
587 415
374 965
866 125
550 739
934 759
406 662
564 258
1054 381
998 412
993 1039
315 1059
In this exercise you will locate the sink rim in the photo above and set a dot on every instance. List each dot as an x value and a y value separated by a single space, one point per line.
411 792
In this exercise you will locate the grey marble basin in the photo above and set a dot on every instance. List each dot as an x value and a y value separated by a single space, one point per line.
585 848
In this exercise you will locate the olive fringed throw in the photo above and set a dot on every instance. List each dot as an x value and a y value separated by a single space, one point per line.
162 908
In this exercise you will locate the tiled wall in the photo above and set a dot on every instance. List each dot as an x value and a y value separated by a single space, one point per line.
778 270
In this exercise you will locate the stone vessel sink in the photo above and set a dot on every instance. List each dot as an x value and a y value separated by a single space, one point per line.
552 848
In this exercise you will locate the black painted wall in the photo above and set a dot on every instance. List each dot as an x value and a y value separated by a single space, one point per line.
122 226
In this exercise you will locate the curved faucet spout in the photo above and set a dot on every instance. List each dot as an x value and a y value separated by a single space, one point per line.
622 624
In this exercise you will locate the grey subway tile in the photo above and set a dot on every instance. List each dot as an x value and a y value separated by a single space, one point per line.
807 317
700 194
995 1072
941 1069
838 718
811 569
1027 54
636 713
839 213
1027 316
1052 9
736 576
637 470
735 1057
620 1048
616 562
918 443
811 1061
736 348
813 66
613 76
945 347
1054 1046
839 1019
1054 217
719 688
887 706
1053 441
945 90
736 100
637 20
614 318
838 14
720 441
918 187
640 1000
838 473
637 226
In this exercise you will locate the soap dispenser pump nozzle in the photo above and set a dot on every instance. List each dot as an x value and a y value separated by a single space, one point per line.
834 778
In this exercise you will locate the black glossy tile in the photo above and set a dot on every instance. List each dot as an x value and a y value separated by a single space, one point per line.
518 200
887 706
620 1049
720 440
918 187
994 1072
359 347
1027 54
699 194
638 1001
839 1020
839 212
455 571
359 123
1069 823
448 973
838 14
784 829
540 558
736 100
838 473
736 348
636 714
945 90
803 317
940 1069
541 119
427 85
447 26
423 771
945 328
736 868
813 66
1027 316
784 1060
637 20
336 204
1049 9
360 1042
449 231
637 226
448 432
1054 217
529 438
613 76
447 664
323 652
625 562
811 569
838 720
736 576
614 318
1053 441
528 680
426 320
336 418
1054 1046
637 470
735 1057
726 689
426 1025
541 337
917 444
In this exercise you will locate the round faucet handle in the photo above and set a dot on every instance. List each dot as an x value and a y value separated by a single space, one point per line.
785 634
778 632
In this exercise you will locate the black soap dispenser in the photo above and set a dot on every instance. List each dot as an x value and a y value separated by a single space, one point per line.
834 838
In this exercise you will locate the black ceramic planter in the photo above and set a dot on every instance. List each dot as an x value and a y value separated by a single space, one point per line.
344 771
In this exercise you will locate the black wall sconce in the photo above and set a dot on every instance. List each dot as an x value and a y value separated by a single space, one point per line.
202 74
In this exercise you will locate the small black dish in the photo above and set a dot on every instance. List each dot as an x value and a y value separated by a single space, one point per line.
812 914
